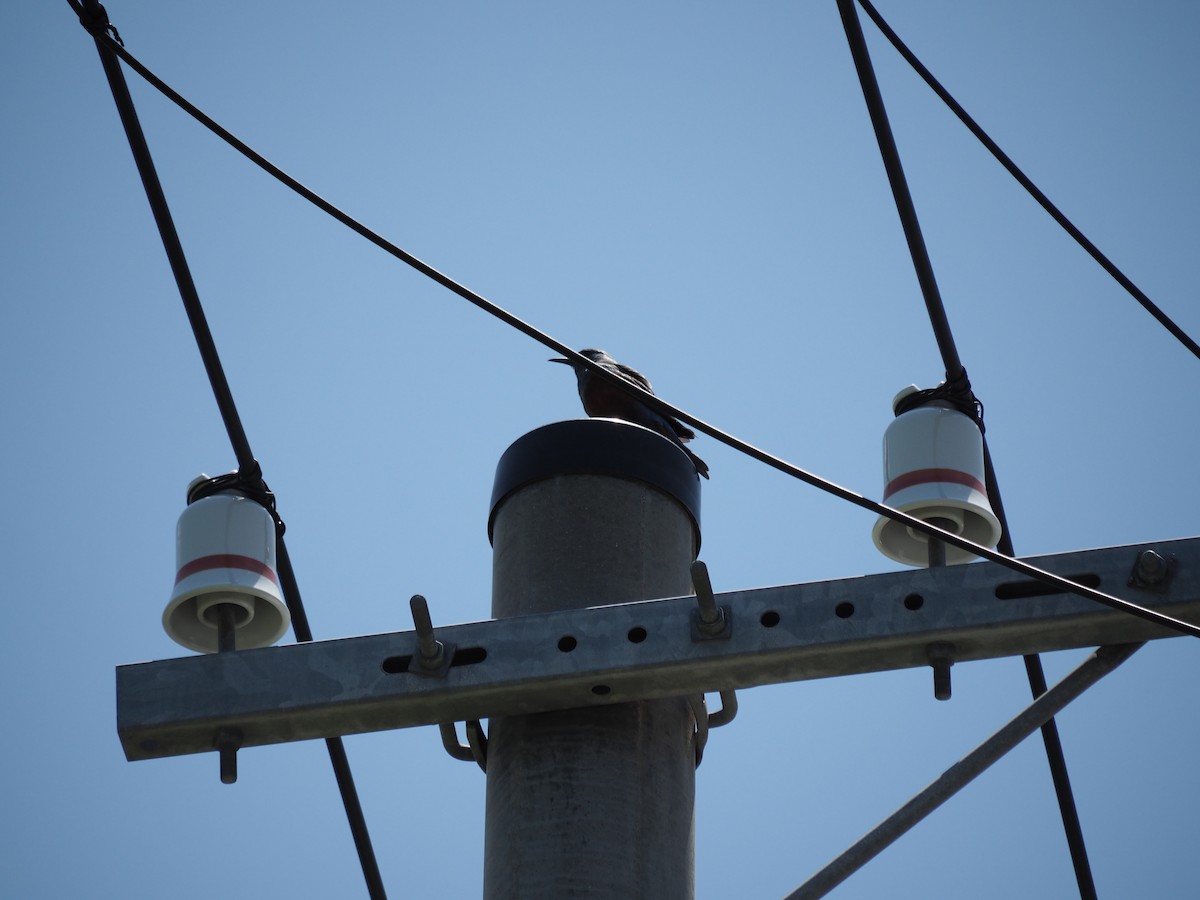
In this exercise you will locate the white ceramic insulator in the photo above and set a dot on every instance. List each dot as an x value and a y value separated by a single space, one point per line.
225 553
933 469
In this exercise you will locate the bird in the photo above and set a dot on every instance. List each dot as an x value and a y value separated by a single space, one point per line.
601 399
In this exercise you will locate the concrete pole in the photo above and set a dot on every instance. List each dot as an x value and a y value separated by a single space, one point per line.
596 802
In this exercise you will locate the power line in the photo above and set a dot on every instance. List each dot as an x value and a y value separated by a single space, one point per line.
650 400
1108 265
957 375
95 20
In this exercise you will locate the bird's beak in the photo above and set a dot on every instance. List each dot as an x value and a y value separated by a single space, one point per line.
559 359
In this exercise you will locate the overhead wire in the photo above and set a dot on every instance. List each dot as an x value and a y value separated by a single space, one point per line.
1034 191
651 400
1051 739
956 376
95 20
1033 665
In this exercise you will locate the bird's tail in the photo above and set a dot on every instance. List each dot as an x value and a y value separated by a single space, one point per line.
701 465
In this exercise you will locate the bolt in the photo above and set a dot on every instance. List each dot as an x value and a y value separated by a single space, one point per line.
1151 567
936 549
709 620
941 656
710 613
227 742
432 653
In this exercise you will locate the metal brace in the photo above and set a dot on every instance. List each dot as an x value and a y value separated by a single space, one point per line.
709 622
475 750
706 720
724 715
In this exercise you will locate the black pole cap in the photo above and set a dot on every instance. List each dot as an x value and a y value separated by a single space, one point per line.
598 447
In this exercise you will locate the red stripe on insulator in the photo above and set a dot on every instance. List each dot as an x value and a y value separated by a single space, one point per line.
226 561
932 476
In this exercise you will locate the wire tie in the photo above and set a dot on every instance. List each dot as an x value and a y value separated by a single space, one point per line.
248 482
94 19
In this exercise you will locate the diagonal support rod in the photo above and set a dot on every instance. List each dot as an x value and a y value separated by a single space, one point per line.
1099 664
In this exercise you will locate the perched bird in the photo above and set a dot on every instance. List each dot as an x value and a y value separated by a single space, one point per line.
607 401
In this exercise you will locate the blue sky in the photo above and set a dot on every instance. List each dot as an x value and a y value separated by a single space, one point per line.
694 187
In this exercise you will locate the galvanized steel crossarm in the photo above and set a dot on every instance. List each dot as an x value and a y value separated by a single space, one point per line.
644 650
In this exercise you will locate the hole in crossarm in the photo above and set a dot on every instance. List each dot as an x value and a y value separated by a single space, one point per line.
1018 590
396 665
913 602
601 690
844 610
769 619
567 643
463 656
637 634
468 656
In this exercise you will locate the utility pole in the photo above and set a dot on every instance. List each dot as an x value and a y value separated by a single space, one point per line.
595 801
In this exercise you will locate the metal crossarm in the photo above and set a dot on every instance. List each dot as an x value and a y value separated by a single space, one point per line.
647 650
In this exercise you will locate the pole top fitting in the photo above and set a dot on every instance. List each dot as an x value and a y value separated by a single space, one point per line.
598 447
